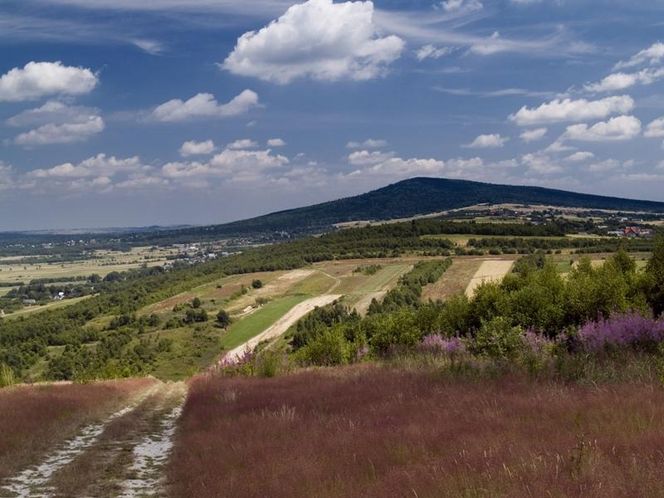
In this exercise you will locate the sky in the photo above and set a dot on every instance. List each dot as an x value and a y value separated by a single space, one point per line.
118 113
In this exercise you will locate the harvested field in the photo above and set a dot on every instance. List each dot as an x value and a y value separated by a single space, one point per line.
489 271
454 281
367 431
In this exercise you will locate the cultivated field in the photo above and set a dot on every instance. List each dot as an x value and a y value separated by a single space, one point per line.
368 431
104 262
493 270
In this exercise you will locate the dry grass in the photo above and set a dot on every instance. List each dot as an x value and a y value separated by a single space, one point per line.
34 418
369 431
493 270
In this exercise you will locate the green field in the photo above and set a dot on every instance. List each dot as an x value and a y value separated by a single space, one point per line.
252 325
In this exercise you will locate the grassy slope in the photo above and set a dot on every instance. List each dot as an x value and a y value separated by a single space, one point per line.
375 431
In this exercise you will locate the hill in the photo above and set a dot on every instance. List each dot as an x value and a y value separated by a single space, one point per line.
412 197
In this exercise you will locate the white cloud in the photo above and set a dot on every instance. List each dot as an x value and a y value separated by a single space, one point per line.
276 142
151 47
370 143
62 133
242 144
204 105
464 6
580 156
572 110
540 163
233 165
604 166
40 79
57 123
489 46
621 81
533 135
432 52
655 129
615 129
651 55
365 157
487 141
193 148
100 165
317 39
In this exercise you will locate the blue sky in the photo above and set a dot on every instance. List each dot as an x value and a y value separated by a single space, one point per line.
137 112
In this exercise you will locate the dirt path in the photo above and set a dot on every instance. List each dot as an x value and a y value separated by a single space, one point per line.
124 455
281 325
493 270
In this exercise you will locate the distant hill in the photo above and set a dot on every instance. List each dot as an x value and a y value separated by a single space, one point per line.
415 196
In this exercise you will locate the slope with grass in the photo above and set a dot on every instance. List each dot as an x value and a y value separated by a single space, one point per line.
367 431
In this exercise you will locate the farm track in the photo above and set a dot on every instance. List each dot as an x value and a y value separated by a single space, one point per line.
123 455
281 325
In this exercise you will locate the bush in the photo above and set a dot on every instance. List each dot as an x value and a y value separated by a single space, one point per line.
223 319
327 349
257 284
498 339
7 377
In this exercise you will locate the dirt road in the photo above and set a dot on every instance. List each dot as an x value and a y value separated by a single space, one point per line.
281 325
493 270
122 455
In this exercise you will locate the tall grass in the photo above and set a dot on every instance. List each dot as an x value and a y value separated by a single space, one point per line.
7 377
377 431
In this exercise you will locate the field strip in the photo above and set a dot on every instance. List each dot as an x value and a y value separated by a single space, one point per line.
493 270
281 325
33 481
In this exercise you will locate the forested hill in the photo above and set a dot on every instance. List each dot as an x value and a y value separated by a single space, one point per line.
417 196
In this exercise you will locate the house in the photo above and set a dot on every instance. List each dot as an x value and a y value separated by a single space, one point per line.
633 232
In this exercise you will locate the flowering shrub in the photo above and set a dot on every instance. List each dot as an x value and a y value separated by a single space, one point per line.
621 330
535 342
436 343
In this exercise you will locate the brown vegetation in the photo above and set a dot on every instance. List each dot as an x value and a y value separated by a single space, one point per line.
372 431
35 418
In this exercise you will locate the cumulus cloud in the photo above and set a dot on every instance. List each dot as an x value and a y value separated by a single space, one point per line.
241 144
615 129
541 163
560 110
100 165
365 157
370 143
317 39
233 165
655 129
461 6
57 123
204 105
193 148
40 79
64 133
432 52
276 142
487 141
651 55
533 135
580 156
621 81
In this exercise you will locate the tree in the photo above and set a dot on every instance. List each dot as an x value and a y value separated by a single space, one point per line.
655 271
196 303
257 284
223 319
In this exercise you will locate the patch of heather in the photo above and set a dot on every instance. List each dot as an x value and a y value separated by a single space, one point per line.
621 330
436 343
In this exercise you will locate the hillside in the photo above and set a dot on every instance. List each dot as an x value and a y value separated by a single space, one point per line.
412 197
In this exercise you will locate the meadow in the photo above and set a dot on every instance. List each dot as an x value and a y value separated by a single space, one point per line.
382 431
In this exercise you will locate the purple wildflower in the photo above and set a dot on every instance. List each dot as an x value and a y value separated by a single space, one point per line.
535 342
436 343
621 330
